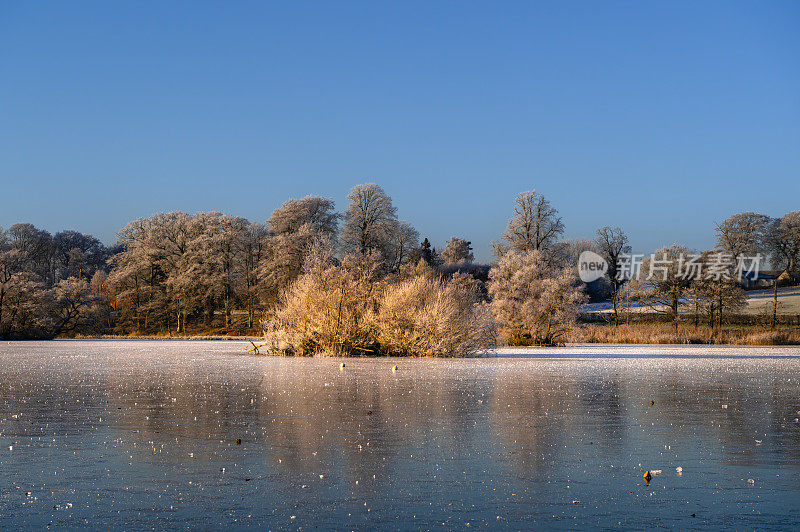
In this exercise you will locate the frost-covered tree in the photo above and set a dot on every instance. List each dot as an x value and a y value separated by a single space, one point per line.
783 242
369 219
283 260
9 260
138 275
532 301
136 279
171 237
104 294
26 283
315 211
25 300
612 244
457 251
36 248
30 306
213 259
535 225
176 268
153 274
12 278
295 228
742 234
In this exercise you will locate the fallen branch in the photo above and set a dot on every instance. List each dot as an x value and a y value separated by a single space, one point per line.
255 349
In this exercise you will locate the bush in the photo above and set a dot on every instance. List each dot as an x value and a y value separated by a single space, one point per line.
347 309
328 309
430 316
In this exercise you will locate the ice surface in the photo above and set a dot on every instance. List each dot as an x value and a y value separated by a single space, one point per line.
136 434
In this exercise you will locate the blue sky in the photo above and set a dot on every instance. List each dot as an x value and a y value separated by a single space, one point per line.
659 117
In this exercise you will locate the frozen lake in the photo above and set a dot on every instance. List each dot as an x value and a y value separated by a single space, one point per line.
140 434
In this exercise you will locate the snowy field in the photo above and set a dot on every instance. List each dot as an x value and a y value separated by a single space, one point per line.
761 301
149 434
758 302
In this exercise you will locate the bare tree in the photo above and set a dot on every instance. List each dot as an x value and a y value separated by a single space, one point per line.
612 244
535 225
252 251
285 254
368 219
72 306
401 241
77 255
662 285
565 253
715 296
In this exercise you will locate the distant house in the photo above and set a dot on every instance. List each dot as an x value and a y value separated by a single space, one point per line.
765 279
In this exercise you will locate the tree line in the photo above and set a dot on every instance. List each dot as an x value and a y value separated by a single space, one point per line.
359 281
172 272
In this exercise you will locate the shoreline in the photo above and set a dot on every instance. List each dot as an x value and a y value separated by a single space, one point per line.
588 335
574 351
582 349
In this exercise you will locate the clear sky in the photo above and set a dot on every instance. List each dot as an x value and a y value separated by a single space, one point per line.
660 117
